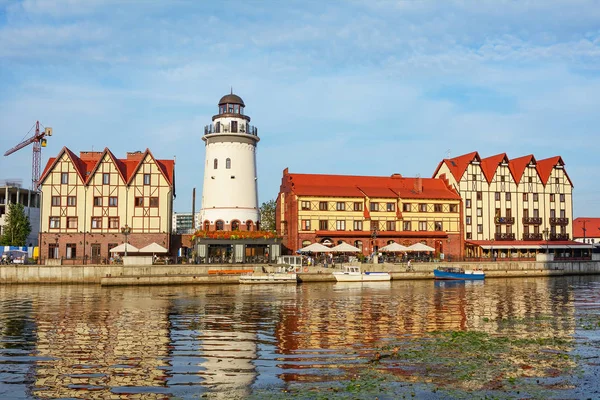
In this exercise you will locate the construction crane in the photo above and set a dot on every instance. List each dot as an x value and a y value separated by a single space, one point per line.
39 141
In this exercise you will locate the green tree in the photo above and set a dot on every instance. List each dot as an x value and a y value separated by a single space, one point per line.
267 216
17 226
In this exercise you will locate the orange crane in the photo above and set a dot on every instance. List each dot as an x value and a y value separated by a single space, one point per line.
39 141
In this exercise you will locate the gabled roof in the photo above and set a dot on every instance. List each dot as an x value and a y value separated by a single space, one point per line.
77 164
458 165
116 162
134 166
592 227
489 165
517 166
544 168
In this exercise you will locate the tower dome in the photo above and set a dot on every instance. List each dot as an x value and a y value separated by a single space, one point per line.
232 99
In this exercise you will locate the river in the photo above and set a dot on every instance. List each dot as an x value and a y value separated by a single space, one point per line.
317 340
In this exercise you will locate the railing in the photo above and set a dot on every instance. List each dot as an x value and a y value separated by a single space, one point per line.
228 128
504 236
504 220
559 236
532 221
559 221
532 236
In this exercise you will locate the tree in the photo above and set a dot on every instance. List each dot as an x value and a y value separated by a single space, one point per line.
267 216
17 226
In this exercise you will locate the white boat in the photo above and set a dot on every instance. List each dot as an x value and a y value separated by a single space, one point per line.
269 278
352 273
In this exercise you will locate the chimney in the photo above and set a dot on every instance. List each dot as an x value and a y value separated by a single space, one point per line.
134 155
90 155
418 184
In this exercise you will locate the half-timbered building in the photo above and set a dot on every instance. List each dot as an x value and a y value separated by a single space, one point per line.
95 201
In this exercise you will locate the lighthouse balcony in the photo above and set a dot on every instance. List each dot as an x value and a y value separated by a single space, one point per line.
231 128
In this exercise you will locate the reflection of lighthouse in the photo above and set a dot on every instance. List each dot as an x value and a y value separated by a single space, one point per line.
229 193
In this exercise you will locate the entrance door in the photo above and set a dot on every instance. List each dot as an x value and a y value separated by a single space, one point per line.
95 253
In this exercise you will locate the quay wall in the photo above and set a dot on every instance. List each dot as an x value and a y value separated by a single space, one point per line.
199 274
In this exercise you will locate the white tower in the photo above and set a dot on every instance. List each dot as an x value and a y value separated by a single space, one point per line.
229 194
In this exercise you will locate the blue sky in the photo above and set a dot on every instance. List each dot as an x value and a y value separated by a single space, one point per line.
341 87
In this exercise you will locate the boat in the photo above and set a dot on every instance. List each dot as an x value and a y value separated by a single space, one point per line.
352 273
269 278
457 273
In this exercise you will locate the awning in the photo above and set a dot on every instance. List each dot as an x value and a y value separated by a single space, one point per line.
153 248
121 248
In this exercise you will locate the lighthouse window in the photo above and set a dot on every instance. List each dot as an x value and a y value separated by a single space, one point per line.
231 108
236 109
218 127
234 126
219 225
228 163
216 163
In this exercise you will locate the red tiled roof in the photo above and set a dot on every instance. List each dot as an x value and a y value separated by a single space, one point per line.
592 227
458 165
517 166
371 186
489 165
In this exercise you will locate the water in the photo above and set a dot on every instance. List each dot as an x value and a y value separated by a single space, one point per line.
240 341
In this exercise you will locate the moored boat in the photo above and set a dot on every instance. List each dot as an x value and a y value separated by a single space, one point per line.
269 278
457 273
352 273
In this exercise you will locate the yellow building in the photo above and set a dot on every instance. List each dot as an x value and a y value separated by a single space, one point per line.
96 201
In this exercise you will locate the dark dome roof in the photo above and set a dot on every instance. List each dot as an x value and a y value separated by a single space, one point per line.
232 99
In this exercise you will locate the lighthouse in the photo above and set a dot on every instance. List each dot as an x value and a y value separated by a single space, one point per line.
229 192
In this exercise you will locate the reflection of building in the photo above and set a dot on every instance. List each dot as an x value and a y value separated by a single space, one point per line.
12 192
508 204
88 201
368 211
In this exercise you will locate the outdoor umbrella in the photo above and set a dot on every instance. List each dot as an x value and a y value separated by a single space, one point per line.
121 248
315 248
420 247
394 248
152 248
345 248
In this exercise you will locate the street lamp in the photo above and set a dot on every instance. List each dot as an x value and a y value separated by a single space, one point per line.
492 250
546 233
126 230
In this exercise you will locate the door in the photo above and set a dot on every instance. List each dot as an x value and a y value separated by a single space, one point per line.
95 253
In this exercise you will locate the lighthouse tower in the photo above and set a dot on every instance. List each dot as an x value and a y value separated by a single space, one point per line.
229 194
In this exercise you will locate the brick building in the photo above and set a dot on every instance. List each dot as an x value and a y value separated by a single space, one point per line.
95 201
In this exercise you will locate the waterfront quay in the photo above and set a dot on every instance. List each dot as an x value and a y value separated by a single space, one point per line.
120 275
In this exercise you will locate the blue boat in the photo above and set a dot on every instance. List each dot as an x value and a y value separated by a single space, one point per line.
456 273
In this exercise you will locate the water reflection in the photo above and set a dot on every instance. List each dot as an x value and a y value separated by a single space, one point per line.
92 342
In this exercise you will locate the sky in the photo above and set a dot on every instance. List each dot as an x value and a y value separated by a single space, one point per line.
335 87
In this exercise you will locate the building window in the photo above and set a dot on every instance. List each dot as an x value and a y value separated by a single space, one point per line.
438 226
479 195
479 212
474 177
306 224
423 207
228 163
71 201
323 225
113 222
219 225
340 225
437 207
507 195
374 206
468 220
406 226
374 225
55 201
146 179
323 205
468 203
562 198
390 226
97 201
305 205
535 197
340 206
154 202
502 178
524 196
422 225
390 207
215 163
53 250
406 207
551 197
497 196
106 179
453 208
54 222
358 206
469 236
64 178
235 225
139 202
72 222
358 225
556 180
479 228
96 222
112 201
71 250
234 126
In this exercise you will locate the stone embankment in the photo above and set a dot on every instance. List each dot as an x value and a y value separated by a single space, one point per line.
111 275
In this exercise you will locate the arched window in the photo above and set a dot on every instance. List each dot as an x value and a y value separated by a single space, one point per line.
215 163
248 225
219 225
218 127
235 225
228 163
390 242
206 225
305 243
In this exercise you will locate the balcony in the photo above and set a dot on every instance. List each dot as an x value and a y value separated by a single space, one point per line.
504 220
532 236
559 221
532 221
559 236
504 236
229 128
